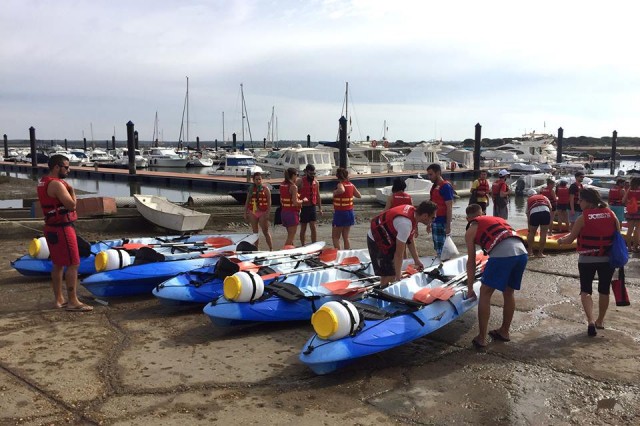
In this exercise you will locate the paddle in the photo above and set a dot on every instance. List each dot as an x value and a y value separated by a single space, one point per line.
445 291
215 242
349 262
341 287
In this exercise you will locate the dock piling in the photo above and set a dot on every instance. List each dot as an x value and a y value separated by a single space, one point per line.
6 146
34 155
560 137
476 150
614 143
131 148
342 144
308 141
113 143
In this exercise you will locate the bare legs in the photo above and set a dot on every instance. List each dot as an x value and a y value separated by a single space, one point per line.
291 235
56 285
71 280
484 312
303 231
587 305
264 224
341 231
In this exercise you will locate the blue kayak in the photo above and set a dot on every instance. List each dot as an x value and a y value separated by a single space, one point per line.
386 319
301 295
31 266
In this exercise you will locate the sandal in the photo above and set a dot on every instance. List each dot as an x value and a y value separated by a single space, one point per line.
591 330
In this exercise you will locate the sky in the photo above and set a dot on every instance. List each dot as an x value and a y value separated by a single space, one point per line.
430 70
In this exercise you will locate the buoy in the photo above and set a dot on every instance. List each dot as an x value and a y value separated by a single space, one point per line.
386 144
111 259
243 286
335 320
38 248
374 143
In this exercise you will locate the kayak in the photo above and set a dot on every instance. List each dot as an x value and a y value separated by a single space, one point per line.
141 278
31 265
552 243
203 285
385 319
310 290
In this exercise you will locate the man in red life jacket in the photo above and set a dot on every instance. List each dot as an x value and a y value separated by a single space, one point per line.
442 195
574 197
503 271
500 195
538 215
391 232
482 188
58 201
310 189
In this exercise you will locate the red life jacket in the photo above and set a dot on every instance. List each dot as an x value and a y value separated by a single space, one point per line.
596 236
55 213
492 230
498 187
344 201
309 190
384 233
548 192
400 199
483 185
258 199
537 200
562 192
435 196
615 196
286 201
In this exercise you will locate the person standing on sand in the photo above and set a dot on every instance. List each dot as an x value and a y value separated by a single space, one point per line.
616 194
548 191
594 229
538 215
309 189
574 198
500 194
482 188
291 204
257 208
58 201
503 271
343 216
442 195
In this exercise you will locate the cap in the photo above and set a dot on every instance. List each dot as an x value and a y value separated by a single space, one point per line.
503 173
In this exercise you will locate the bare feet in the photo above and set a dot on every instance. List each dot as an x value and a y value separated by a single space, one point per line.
79 308
541 255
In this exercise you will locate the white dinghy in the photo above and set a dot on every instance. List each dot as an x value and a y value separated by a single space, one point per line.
164 213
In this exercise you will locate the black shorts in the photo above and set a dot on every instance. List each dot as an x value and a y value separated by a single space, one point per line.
308 214
382 263
540 218
588 272
562 207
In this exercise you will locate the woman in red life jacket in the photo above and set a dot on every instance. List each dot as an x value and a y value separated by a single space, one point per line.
549 192
343 216
309 189
398 196
291 204
538 215
631 199
257 208
562 196
594 229
616 194
58 201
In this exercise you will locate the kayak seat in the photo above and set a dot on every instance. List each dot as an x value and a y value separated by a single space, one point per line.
405 289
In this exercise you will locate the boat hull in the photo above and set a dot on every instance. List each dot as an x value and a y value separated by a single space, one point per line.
162 212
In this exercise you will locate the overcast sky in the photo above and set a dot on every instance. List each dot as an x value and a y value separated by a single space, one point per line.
430 69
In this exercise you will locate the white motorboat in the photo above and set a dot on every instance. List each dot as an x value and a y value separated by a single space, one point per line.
166 157
164 213
236 164
530 184
100 156
276 162
524 168
420 157
377 159
122 159
197 159
417 187
84 158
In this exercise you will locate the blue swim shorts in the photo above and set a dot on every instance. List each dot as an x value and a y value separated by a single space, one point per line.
503 272
344 218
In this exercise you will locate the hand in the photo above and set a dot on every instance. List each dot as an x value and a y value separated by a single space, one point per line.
418 265
305 200
563 240
447 230
320 212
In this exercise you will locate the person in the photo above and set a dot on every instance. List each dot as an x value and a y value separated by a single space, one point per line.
481 187
257 208
391 232
309 189
442 195
631 200
594 230
549 192
343 216
58 201
291 204
574 198
398 196
503 271
500 195
538 215
616 193
562 195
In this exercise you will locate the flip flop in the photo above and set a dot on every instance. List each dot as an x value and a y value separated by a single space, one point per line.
81 308
495 335
64 305
479 346
600 327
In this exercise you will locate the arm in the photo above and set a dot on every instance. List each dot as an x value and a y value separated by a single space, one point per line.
449 205
319 198
469 238
267 192
356 193
247 203
339 189
624 197
295 198
66 197
397 258
504 192
414 253
575 231
387 206
571 200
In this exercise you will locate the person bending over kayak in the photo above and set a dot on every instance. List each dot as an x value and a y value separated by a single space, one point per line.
391 232
503 271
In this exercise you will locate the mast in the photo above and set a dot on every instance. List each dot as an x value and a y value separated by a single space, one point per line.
185 108
91 127
187 141
223 127
245 114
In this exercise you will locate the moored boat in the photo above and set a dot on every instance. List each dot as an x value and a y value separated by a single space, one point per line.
162 212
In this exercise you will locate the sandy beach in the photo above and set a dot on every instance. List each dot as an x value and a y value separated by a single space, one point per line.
135 361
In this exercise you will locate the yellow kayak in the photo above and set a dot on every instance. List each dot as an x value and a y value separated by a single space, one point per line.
552 243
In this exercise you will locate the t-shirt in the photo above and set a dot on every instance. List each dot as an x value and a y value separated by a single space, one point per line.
446 192
480 198
573 190
402 225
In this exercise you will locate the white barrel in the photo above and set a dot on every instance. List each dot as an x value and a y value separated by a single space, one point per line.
108 260
335 320
243 286
38 248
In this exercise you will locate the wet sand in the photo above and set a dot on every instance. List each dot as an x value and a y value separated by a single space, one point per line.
136 361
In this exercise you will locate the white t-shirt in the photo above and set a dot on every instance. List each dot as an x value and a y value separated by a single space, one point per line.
402 225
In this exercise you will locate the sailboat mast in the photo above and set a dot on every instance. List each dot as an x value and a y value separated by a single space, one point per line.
242 106
223 127
245 114
187 141
272 125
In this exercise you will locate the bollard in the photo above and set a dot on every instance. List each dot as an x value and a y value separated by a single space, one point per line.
113 142
34 156
560 137
342 144
614 143
476 150
308 141
131 148
6 147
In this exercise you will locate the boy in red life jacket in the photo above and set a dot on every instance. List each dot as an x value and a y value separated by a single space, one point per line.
538 215
482 189
257 208
549 192
310 189
574 196
58 201
442 194
500 195
391 232
503 271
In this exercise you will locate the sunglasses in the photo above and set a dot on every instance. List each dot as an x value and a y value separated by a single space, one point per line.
65 167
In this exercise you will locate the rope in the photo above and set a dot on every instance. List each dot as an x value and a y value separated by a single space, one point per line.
39 231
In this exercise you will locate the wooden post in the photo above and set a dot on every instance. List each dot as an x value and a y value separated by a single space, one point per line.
34 156
136 142
264 143
233 144
65 144
308 141
476 150
614 143
113 143
216 144
342 141
560 137
198 143
6 147
84 144
131 147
